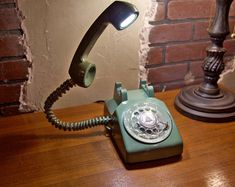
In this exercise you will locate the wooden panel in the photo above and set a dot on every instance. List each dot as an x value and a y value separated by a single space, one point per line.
34 154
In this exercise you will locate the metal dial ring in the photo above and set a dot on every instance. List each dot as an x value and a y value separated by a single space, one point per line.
147 122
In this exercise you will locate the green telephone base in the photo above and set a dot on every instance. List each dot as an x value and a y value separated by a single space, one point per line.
145 129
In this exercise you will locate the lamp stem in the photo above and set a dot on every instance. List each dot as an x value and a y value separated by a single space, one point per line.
213 64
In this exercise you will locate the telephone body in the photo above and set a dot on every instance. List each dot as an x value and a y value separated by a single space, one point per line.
144 129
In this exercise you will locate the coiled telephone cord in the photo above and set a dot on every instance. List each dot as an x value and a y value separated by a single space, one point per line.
57 123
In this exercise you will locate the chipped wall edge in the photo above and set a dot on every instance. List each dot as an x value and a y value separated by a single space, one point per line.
144 39
25 104
229 68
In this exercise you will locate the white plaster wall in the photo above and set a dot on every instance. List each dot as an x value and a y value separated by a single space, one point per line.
227 78
54 29
228 82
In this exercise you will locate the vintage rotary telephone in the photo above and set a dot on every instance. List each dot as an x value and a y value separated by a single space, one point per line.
139 124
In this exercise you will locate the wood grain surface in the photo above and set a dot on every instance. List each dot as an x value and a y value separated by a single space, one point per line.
33 153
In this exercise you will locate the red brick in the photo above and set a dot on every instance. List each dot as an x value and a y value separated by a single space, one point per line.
155 55
171 32
200 31
180 84
168 86
157 87
9 19
13 70
9 110
167 73
160 14
186 52
11 46
7 1
229 45
197 81
196 69
9 93
173 85
184 9
232 9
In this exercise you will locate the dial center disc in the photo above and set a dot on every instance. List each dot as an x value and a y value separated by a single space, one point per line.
147 119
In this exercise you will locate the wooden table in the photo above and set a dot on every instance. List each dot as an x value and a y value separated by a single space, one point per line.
33 153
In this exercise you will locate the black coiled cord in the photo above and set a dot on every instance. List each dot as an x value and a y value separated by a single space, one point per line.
54 96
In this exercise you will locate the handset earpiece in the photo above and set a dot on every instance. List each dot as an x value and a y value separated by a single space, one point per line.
83 73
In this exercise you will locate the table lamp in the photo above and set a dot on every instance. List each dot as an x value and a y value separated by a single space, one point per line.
207 102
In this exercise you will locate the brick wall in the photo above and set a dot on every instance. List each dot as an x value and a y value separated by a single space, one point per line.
13 63
178 39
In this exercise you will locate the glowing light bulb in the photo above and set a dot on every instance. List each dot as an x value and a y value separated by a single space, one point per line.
128 21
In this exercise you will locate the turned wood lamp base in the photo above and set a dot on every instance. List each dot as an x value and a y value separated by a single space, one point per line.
207 102
209 108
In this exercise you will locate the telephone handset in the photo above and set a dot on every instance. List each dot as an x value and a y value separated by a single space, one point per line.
139 124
